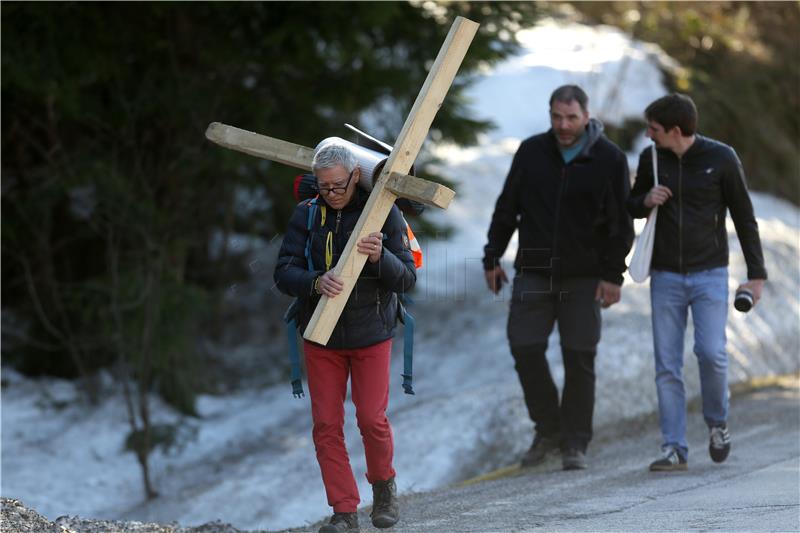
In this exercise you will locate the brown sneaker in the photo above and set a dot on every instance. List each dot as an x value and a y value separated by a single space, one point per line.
342 523
573 459
385 509
541 447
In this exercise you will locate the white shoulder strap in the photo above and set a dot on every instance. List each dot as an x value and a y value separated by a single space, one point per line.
654 157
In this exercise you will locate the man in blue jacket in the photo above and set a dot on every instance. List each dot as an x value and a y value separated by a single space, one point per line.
698 180
566 194
360 345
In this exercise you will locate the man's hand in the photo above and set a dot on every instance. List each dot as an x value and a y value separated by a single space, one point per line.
657 196
371 246
495 278
330 284
754 286
607 293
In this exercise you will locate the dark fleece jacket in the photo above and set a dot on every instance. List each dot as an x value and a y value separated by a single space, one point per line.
571 216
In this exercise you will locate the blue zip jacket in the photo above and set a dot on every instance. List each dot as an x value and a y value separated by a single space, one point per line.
370 315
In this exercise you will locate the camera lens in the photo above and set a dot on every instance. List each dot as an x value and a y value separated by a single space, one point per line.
743 301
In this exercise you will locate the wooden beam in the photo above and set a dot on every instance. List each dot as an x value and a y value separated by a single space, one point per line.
405 151
261 146
410 187
420 190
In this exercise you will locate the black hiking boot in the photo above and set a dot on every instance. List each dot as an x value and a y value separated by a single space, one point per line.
670 462
342 523
537 453
719 443
385 509
573 459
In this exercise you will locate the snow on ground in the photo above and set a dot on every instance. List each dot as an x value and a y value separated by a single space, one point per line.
249 460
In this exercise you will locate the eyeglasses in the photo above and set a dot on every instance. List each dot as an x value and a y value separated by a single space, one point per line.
325 191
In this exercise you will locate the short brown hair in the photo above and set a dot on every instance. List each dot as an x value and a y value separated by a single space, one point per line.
568 93
674 110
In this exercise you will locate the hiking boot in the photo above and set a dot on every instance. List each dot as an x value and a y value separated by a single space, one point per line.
574 459
537 453
719 443
670 462
385 509
342 523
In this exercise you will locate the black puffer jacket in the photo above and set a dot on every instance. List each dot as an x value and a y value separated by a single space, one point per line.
370 315
690 230
571 217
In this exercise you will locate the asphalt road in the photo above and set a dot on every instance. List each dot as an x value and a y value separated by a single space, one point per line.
756 489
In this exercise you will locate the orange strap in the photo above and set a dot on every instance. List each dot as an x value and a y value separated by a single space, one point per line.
413 245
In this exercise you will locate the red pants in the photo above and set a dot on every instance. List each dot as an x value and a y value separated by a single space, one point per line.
328 371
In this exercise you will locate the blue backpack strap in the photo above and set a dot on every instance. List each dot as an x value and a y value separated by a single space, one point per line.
290 316
312 215
408 342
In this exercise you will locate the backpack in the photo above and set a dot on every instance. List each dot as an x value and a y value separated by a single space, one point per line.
403 301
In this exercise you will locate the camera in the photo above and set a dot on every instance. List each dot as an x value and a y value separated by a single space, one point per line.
743 301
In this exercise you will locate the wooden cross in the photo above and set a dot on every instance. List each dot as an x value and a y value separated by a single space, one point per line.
393 181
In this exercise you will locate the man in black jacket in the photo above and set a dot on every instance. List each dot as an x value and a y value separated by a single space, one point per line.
698 179
360 345
566 193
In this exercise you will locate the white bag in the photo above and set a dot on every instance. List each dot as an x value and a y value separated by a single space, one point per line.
643 253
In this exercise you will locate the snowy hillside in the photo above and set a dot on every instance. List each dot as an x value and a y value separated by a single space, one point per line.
249 460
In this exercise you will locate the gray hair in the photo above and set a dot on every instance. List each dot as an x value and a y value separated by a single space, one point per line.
334 154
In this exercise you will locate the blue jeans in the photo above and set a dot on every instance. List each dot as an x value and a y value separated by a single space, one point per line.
671 295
